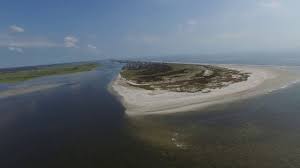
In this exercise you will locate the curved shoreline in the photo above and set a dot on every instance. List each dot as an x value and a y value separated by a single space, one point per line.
263 79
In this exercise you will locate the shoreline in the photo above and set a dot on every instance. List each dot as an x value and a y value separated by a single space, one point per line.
263 79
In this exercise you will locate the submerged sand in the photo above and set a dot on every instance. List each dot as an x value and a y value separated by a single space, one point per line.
25 90
263 79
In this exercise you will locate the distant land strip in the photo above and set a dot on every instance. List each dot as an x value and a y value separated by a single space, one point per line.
20 74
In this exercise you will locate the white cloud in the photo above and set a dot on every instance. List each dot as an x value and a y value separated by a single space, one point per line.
32 44
16 43
16 29
189 26
270 3
71 41
16 49
27 43
192 22
91 46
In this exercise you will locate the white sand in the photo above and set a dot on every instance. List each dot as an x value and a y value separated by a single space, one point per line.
263 79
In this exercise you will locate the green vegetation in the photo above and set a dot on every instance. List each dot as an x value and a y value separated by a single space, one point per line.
22 74
180 77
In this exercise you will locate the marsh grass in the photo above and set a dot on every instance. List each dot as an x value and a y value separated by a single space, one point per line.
27 74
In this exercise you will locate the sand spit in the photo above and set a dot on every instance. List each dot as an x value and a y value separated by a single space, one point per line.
263 79
24 90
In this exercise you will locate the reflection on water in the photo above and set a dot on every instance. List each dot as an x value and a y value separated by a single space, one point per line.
80 124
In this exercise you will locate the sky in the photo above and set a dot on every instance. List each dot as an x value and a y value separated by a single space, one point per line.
44 31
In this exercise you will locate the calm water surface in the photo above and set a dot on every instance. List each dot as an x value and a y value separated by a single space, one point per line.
80 124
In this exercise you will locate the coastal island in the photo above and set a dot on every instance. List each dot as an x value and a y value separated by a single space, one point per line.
159 88
13 75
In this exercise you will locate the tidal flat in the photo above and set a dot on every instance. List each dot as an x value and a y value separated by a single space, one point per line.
258 132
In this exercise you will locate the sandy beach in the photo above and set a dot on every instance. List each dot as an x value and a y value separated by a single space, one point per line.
263 80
